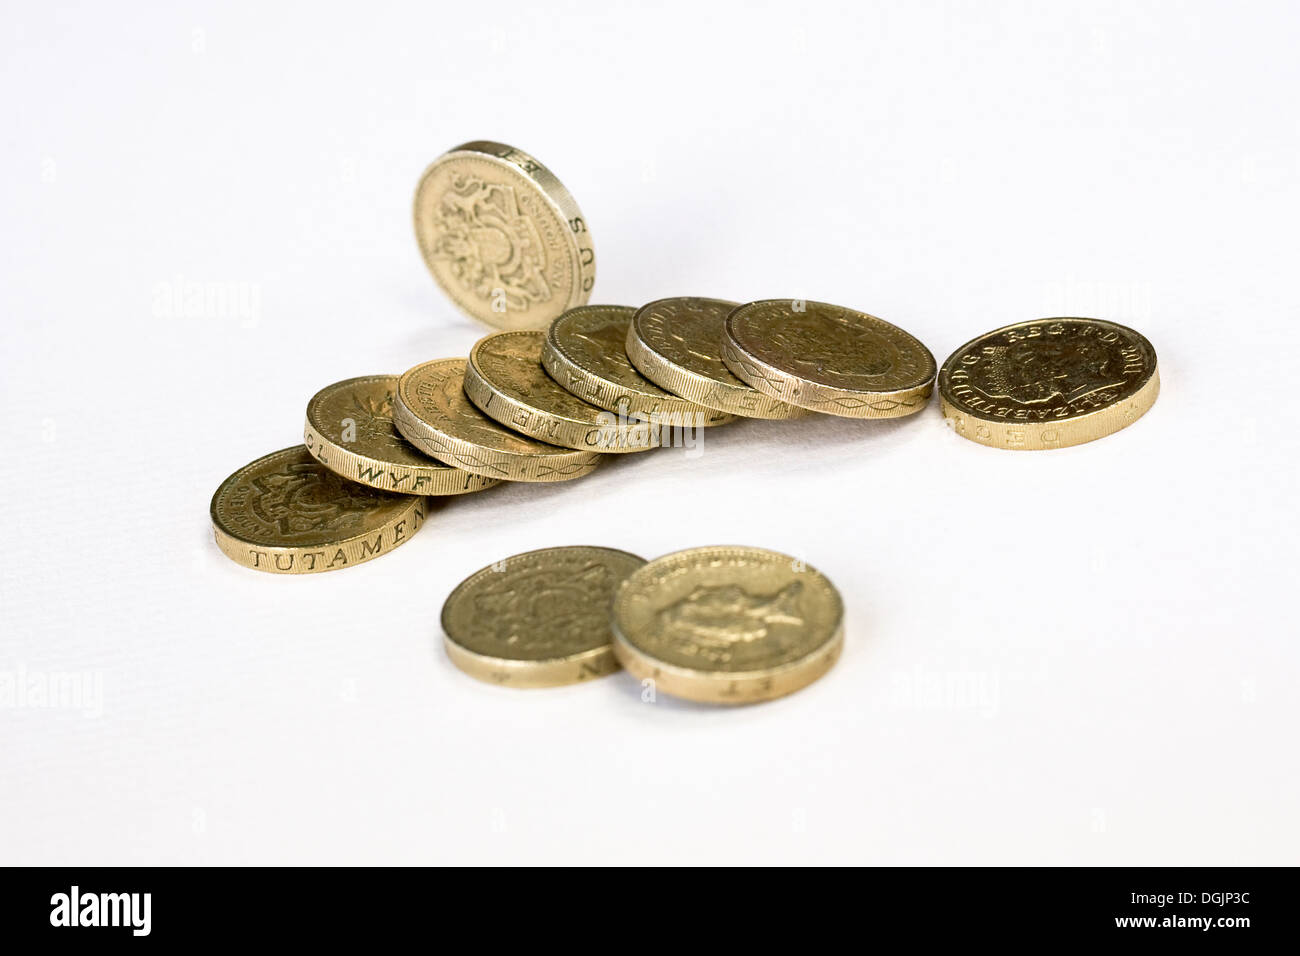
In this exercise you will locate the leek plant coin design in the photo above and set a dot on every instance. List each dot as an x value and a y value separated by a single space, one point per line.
728 624
1049 383
286 513
350 430
538 619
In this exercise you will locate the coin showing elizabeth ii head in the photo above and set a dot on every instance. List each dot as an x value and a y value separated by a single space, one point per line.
1049 383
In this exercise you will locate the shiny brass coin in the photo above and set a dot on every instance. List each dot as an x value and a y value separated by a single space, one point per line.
1048 383
828 359
505 379
728 625
288 514
433 414
677 344
538 619
350 430
586 351
502 236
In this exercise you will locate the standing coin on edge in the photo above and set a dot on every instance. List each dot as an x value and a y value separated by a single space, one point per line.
586 352
289 514
677 344
1049 383
538 619
350 430
502 236
505 379
728 625
828 359
433 413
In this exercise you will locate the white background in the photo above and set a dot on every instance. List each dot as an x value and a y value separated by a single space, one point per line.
1081 656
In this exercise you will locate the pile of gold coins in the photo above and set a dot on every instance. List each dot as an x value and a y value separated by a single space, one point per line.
720 625
564 383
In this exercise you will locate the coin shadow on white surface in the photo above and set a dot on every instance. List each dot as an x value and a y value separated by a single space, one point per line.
832 429
806 444
633 691
435 504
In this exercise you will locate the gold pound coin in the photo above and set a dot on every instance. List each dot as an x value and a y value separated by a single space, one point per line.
538 619
1049 383
677 344
828 359
586 351
728 625
433 413
502 236
505 379
350 430
288 514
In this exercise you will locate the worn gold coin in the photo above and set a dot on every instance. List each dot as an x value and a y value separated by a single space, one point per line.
586 351
828 359
350 430
677 344
288 514
1049 383
728 625
433 413
502 236
538 619
505 379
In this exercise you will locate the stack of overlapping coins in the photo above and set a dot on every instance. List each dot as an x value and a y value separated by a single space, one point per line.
565 383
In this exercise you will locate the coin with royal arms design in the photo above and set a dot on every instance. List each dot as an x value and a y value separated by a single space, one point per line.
538 619
1049 383
505 379
828 359
727 624
433 413
288 514
502 236
350 430
677 344
586 351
